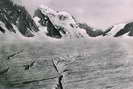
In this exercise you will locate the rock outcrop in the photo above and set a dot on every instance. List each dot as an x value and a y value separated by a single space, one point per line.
14 15
44 21
60 22
92 32
120 30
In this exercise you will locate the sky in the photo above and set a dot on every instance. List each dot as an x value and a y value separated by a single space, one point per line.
97 13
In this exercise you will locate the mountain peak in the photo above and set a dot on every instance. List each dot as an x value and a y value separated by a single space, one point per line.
62 22
15 15
51 23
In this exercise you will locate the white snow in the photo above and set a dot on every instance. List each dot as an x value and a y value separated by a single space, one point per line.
63 19
116 29
36 20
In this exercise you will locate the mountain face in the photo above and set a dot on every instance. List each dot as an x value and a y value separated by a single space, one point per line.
13 15
124 29
93 32
59 23
43 20
56 24
127 29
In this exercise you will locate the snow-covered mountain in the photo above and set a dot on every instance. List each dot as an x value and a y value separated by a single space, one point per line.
92 32
60 24
118 30
123 29
16 20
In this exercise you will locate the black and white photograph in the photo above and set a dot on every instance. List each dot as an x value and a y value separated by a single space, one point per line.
66 44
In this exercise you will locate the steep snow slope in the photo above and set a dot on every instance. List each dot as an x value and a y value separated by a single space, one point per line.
121 30
14 15
92 32
65 21
48 23
115 29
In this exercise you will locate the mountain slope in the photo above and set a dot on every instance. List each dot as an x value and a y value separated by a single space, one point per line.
92 32
50 23
15 15
59 23
119 30
44 21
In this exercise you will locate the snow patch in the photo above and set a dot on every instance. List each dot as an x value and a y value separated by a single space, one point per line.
116 29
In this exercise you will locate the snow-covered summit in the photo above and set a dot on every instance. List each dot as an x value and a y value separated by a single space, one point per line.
49 23
64 20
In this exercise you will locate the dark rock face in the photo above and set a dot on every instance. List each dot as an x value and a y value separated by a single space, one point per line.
128 28
17 15
53 31
107 30
4 18
43 18
2 30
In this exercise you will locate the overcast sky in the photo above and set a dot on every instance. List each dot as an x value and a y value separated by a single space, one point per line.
98 13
